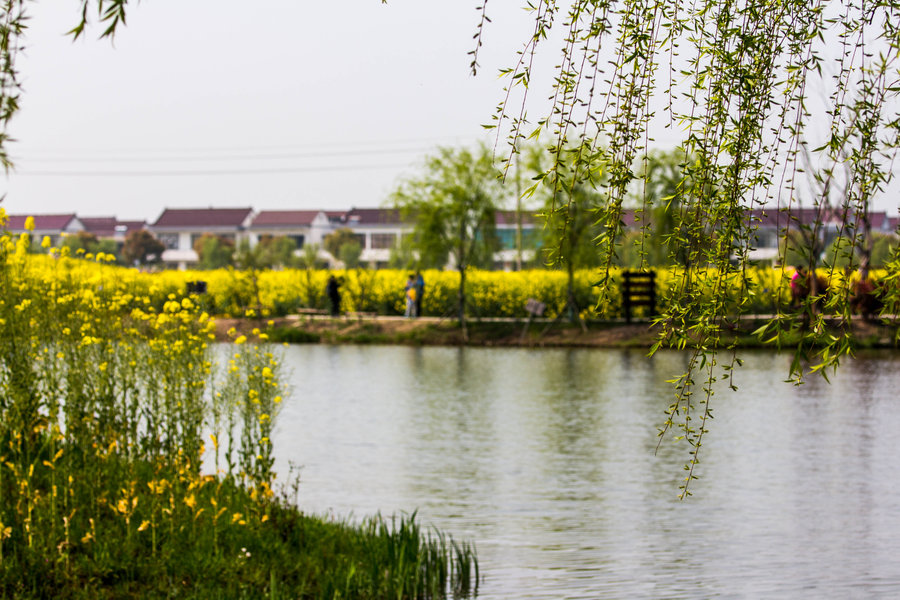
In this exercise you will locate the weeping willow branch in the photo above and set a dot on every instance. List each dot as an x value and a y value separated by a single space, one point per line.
734 80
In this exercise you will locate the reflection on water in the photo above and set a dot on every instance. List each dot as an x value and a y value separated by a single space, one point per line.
545 459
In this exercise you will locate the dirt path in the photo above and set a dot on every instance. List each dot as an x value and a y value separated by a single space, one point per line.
431 330
495 332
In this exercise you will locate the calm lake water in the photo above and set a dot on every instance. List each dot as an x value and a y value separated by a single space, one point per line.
545 460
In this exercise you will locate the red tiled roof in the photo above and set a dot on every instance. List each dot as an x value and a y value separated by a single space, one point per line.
109 226
275 218
132 225
372 216
202 217
100 226
41 222
879 220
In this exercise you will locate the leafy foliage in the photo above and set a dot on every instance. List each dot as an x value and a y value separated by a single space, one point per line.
454 203
337 239
213 251
736 79
142 248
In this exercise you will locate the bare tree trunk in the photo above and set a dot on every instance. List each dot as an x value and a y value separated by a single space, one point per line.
462 258
571 304
462 302
518 216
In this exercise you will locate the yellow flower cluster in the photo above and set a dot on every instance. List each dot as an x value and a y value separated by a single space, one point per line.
109 387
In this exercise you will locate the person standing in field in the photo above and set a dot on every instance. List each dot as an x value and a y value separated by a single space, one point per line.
420 292
410 292
332 289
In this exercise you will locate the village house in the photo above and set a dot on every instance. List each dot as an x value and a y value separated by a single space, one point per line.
773 224
56 227
510 225
379 231
110 228
301 226
179 229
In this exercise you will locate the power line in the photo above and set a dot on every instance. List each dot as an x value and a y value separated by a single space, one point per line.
275 156
209 172
313 149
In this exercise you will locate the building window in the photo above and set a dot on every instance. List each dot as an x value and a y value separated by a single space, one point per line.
169 240
381 241
298 239
507 238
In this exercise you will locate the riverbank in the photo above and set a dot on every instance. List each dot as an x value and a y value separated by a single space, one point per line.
431 331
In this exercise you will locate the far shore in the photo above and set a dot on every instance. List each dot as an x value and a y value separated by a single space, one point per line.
373 329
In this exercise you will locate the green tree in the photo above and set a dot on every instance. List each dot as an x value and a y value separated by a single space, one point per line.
403 254
453 202
570 231
349 254
529 163
141 248
659 194
276 251
571 225
84 241
309 261
795 249
334 241
250 260
214 252
883 247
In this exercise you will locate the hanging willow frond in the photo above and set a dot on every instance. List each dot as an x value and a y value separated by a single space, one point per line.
777 103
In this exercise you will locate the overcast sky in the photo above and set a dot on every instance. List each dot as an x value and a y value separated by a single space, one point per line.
283 105
276 104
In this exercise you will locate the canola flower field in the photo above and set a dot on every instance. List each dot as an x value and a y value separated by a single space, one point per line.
136 456
276 293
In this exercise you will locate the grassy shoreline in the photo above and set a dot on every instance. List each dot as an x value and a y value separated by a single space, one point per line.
368 329
108 401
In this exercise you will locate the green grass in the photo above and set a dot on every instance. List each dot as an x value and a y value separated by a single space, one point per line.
290 555
293 335
108 405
